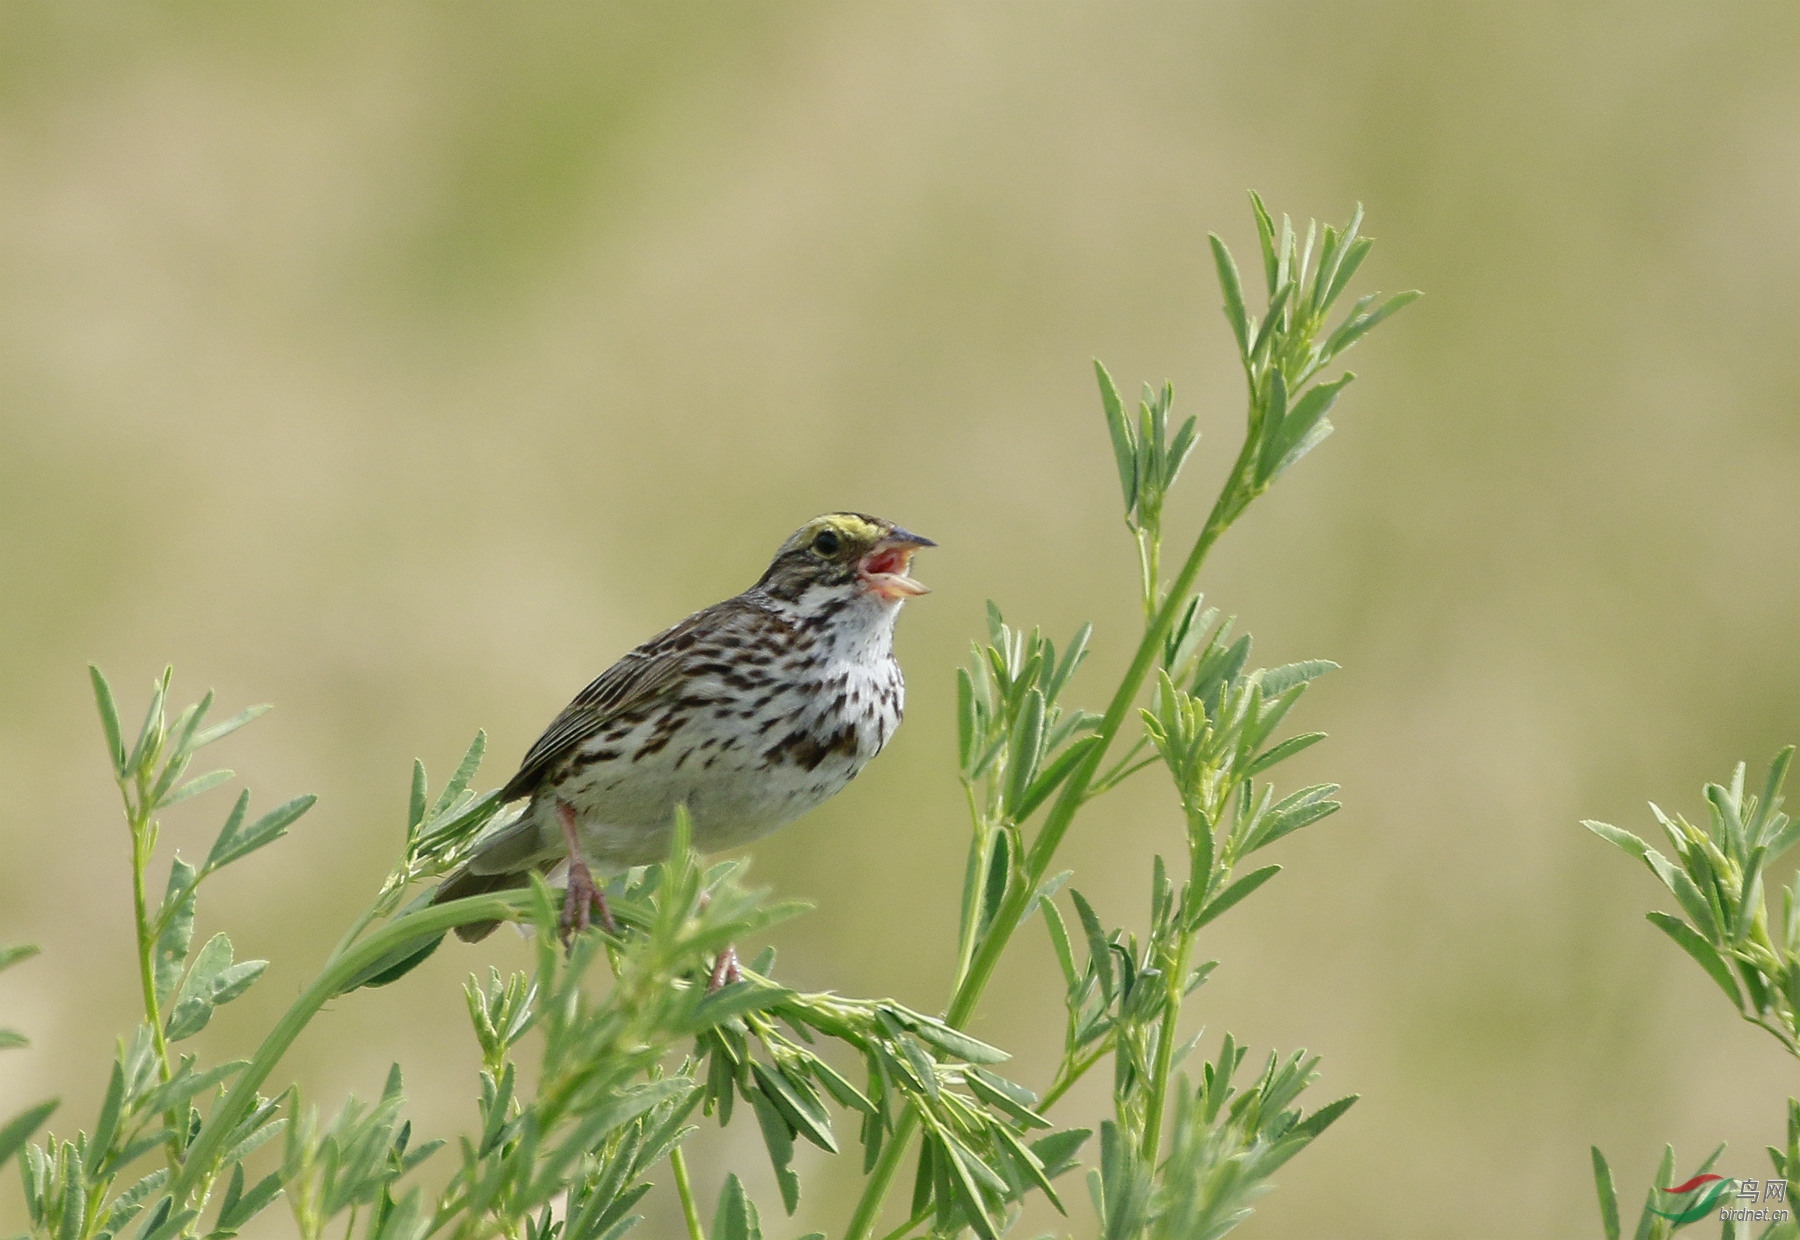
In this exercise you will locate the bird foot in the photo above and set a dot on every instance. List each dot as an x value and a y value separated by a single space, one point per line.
725 971
583 904
582 899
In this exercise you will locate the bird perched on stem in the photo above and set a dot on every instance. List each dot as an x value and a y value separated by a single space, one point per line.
749 713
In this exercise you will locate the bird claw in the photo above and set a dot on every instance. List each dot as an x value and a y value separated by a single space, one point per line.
582 899
583 904
725 971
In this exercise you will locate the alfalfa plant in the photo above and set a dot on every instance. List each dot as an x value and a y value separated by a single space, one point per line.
1752 953
626 1067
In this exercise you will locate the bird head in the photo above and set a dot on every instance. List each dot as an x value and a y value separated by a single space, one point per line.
846 553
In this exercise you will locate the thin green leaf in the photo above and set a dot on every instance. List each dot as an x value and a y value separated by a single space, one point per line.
965 719
109 719
172 1226
1059 941
848 1095
1025 748
780 1144
942 1036
1058 1151
150 735
1704 954
1357 327
10 956
1236 892
1058 678
1123 446
126 1205
736 1000
804 1113
221 730
1278 680
264 831
1283 751
1325 1116
924 1176
1315 435
416 799
1265 236
1694 904
1301 809
187 1084
1007 1097
1609 1196
1053 776
1621 839
20 1127
735 1218
107 1126
195 786
176 917
962 1166
1266 333
1099 954
465 772
1770 800
1233 288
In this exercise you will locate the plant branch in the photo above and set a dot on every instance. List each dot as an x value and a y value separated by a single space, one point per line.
1017 906
339 971
689 1209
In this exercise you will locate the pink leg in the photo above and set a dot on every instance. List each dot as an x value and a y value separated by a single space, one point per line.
582 898
725 970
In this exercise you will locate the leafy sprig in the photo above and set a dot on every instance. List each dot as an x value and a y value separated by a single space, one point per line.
1022 750
1717 879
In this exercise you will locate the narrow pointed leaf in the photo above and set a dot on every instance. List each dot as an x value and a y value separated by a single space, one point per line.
1704 954
1609 1197
221 730
1233 289
416 799
18 1130
195 786
1123 445
109 719
465 772
1236 892
1619 838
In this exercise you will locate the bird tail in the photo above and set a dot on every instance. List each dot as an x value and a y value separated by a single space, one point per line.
504 861
466 882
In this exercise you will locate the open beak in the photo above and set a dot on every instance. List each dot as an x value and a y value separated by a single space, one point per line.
884 571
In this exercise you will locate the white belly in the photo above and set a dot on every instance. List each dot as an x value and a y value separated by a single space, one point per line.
740 778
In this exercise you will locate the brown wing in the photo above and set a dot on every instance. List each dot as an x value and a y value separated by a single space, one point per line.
639 677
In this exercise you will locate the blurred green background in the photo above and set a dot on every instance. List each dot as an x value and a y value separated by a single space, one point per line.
404 366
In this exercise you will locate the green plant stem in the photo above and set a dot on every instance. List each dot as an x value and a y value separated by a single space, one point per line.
983 849
1013 910
1149 546
1066 1081
1068 803
147 935
915 1221
1175 981
339 970
689 1209
146 945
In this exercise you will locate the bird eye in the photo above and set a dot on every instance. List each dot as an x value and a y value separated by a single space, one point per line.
826 542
